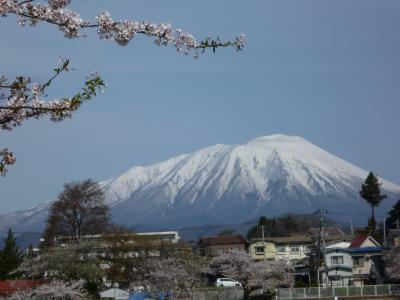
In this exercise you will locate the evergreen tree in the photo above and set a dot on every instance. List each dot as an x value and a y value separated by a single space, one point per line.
274 228
227 231
10 256
289 225
371 192
394 217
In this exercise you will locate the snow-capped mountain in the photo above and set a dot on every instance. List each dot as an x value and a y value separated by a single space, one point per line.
220 184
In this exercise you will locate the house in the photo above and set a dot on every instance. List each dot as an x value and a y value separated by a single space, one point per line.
262 250
115 294
356 263
367 265
293 249
366 255
9 287
218 245
338 267
161 236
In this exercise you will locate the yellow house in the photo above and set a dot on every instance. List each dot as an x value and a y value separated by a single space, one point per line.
292 249
262 250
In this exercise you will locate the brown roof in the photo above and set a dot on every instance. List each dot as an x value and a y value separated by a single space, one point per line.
357 242
11 286
223 240
294 239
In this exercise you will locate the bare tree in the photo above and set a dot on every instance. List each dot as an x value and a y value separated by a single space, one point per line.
252 275
79 211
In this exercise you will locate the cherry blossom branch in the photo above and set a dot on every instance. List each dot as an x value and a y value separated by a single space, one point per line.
55 12
23 99
24 102
7 158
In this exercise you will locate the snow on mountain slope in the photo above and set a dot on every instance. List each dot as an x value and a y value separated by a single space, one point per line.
269 175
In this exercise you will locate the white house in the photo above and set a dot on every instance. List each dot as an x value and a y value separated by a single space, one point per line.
338 269
356 263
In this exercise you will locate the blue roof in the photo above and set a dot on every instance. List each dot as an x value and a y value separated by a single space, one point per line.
366 249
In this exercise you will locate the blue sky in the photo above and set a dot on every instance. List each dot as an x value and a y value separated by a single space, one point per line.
324 70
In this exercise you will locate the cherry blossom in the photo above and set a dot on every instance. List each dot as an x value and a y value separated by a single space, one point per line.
23 100
53 290
252 274
32 12
392 262
179 274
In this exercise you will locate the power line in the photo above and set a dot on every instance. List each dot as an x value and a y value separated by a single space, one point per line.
355 215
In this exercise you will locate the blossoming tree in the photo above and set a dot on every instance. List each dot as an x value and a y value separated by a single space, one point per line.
392 262
20 99
53 290
252 274
178 274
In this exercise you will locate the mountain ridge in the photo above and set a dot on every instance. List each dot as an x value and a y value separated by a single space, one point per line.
268 175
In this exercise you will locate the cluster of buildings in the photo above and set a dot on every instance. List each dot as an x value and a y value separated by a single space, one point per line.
328 258
337 260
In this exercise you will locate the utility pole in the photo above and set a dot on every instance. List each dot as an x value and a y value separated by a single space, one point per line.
265 258
322 213
397 223
351 227
384 231
263 238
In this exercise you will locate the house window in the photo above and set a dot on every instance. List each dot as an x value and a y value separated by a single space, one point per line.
337 260
281 249
295 249
358 261
259 250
